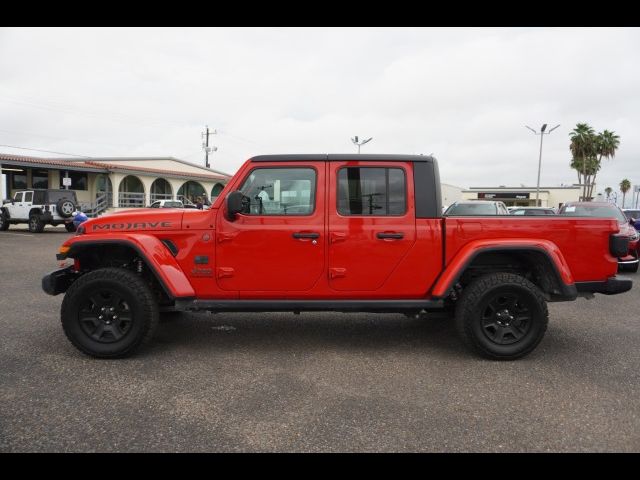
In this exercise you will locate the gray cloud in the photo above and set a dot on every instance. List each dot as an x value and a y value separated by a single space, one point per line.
462 94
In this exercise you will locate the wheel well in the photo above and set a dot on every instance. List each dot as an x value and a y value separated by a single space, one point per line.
533 265
93 257
35 211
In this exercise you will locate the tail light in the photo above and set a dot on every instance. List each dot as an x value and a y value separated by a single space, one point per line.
619 245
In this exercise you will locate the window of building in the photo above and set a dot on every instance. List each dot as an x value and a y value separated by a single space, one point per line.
280 191
18 181
371 191
40 179
78 180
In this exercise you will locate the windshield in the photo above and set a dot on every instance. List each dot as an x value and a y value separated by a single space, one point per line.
472 209
594 211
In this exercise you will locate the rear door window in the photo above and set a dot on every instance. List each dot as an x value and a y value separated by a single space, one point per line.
372 191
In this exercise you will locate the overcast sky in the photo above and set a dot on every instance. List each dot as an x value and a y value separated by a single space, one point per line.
462 94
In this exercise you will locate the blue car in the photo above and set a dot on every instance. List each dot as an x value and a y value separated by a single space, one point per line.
633 214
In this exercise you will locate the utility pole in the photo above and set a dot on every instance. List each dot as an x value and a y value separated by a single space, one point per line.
205 145
542 134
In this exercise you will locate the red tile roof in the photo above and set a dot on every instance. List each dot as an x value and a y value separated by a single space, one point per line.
105 167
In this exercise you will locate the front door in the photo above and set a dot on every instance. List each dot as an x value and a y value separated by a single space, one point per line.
278 243
18 210
371 222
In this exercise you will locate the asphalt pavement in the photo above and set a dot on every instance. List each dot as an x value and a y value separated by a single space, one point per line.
310 382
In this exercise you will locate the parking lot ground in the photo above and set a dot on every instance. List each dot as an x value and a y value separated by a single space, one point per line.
310 382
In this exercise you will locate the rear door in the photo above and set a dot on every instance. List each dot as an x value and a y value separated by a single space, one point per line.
278 243
371 222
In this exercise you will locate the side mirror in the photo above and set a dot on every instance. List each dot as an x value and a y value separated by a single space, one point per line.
235 204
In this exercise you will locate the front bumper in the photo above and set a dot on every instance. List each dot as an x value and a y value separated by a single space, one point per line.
611 286
58 281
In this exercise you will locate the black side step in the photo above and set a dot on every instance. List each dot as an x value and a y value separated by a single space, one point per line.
370 306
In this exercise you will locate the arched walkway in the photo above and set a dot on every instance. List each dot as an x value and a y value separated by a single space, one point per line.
190 191
161 190
215 191
131 192
104 189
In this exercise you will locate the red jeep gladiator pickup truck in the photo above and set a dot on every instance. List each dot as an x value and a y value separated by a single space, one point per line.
344 233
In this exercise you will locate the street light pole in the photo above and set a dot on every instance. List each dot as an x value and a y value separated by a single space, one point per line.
542 134
360 143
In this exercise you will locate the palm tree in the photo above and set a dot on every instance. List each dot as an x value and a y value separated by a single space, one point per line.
582 148
606 145
625 186
608 191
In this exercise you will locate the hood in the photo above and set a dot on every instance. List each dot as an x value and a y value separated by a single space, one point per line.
144 219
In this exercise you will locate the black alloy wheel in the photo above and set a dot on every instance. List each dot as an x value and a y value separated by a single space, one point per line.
506 319
105 316
502 316
109 313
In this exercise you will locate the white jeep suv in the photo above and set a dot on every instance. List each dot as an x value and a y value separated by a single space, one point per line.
39 207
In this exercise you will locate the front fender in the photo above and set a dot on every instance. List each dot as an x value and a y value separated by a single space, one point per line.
156 255
465 256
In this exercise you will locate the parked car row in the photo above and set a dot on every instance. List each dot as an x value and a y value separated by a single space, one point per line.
628 220
175 204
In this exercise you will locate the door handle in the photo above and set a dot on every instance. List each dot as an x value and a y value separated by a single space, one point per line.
337 272
338 237
226 237
306 235
390 235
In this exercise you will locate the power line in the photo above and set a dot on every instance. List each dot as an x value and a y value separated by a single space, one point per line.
65 139
46 151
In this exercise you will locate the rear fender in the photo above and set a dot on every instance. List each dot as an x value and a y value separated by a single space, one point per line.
470 251
149 248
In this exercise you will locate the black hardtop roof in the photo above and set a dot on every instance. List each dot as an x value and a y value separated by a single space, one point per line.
346 157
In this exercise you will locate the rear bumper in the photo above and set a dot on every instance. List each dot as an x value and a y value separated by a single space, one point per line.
611 286
58 281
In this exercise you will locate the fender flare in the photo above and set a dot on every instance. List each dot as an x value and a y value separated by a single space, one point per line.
151 250
458 265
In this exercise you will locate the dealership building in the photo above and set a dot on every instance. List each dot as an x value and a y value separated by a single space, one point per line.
525 196
112 183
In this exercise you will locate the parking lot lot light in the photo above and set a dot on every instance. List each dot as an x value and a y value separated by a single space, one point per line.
542 134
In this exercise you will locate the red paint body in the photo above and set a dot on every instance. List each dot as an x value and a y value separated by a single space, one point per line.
256 257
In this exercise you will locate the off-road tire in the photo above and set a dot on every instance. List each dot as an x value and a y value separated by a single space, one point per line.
128 286
474 316
4 222
36 225
70 227
65 207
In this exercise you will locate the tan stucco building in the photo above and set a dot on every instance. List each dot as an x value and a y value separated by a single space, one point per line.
113 183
